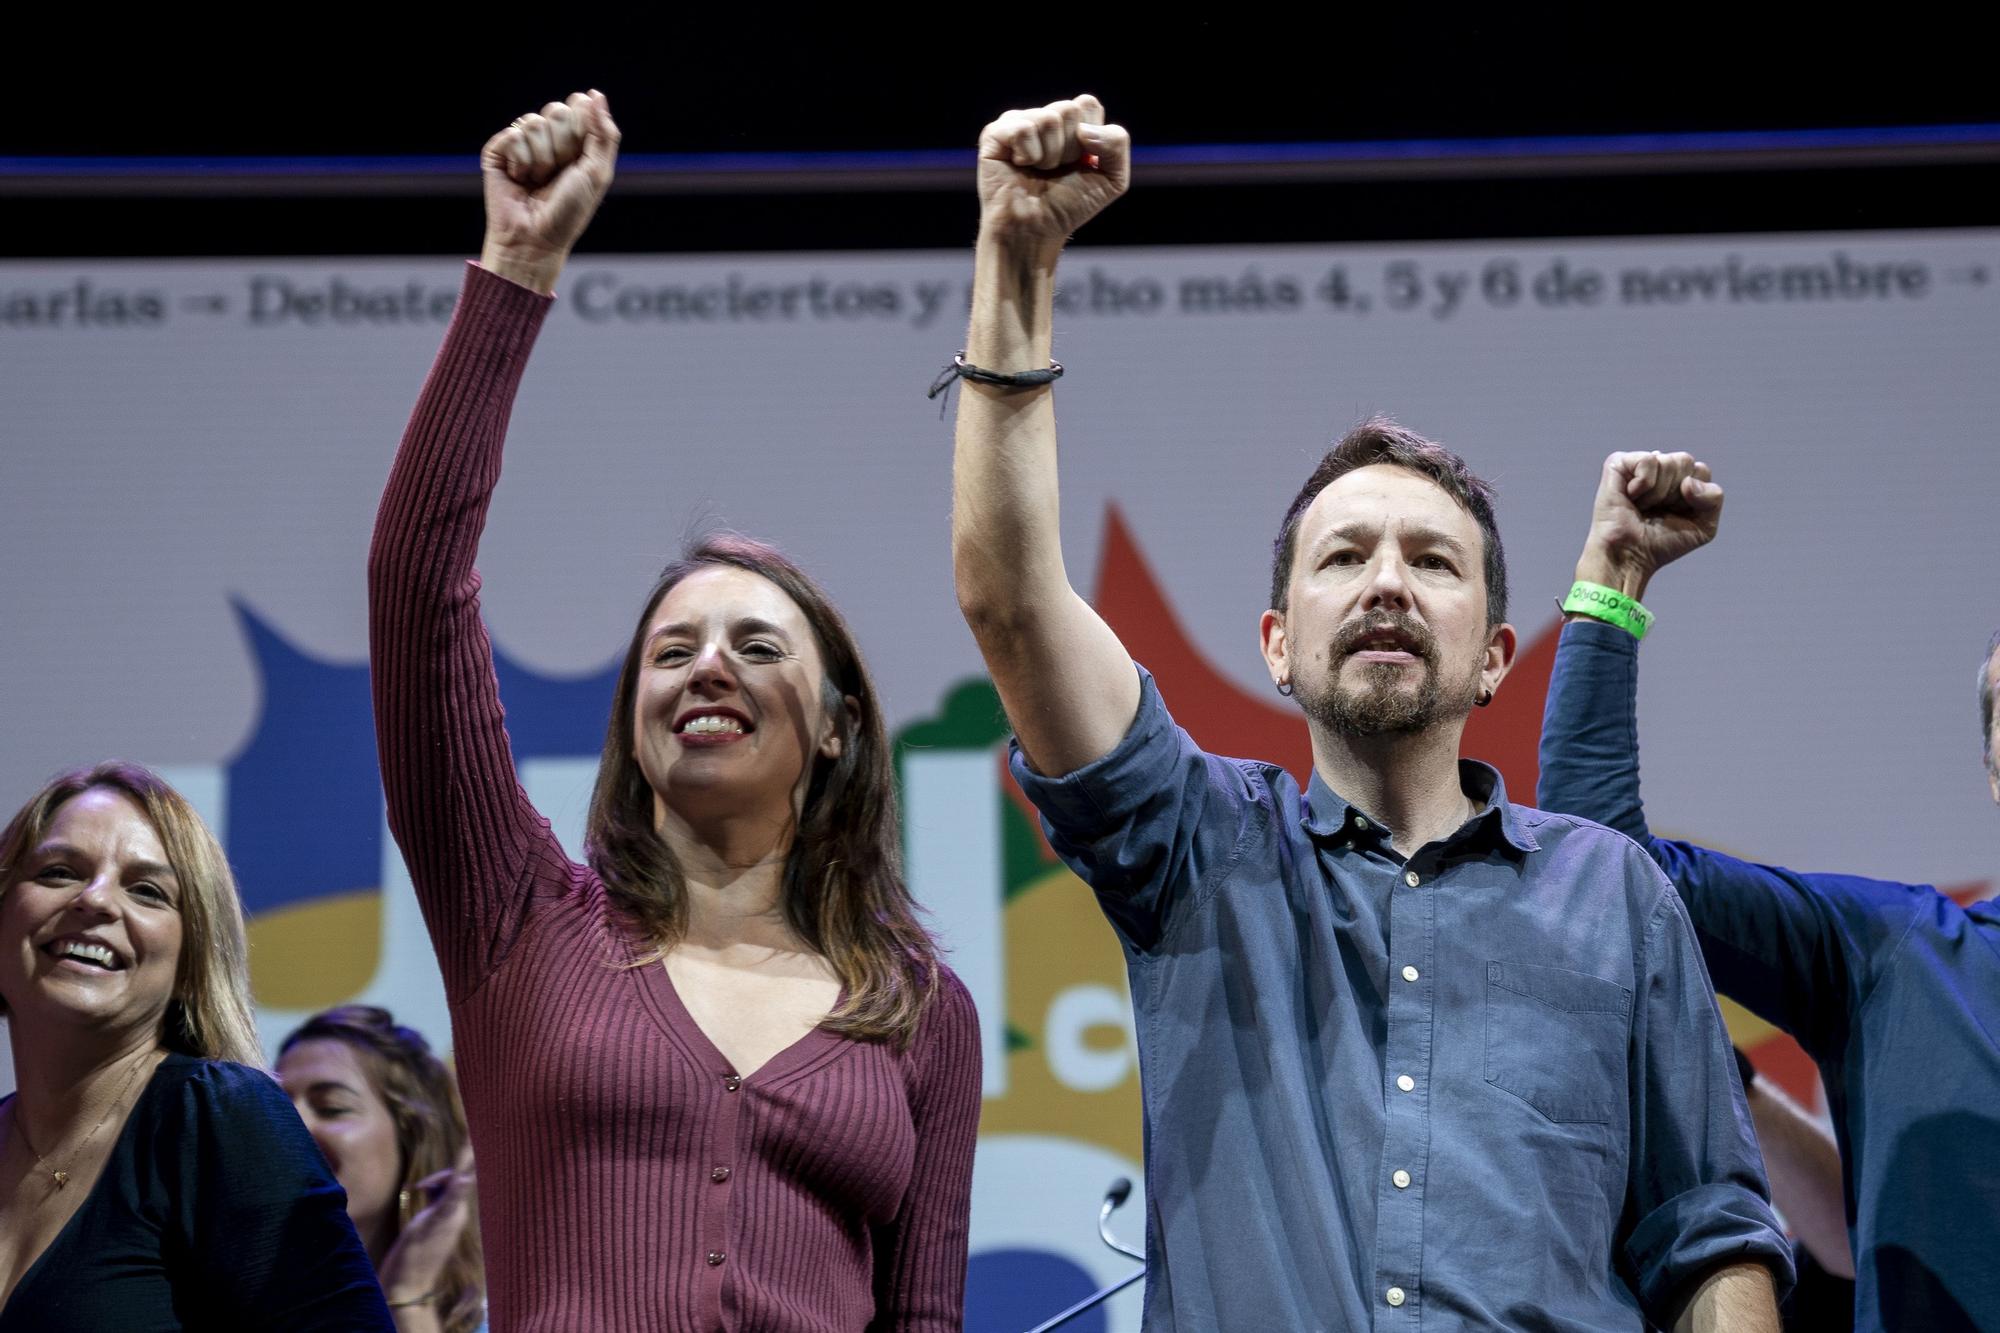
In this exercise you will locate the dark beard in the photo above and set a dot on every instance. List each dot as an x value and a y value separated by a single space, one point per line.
1380 707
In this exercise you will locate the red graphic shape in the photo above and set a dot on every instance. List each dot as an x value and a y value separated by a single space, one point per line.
1786 1064
1221 716
1965 895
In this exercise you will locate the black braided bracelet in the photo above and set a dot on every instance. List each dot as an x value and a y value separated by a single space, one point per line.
961 369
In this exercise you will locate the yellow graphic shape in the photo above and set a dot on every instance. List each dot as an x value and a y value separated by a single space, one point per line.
1063 960
316 954
1745 1028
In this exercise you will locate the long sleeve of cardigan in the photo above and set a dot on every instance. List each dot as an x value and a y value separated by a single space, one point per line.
478 853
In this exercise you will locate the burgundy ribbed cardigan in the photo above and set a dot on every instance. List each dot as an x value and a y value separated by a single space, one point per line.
627 1178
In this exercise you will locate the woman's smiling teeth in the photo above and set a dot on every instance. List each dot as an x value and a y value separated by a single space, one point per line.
712 724
87 952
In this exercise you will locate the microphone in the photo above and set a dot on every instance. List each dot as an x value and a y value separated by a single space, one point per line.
1114 1199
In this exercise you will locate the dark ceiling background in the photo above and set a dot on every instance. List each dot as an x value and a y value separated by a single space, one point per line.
762 79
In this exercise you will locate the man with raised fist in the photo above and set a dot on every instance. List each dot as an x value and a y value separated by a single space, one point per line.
1412 1055
1893 989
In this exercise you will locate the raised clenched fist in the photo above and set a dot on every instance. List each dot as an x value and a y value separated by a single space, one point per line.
545 175
1045 172
1651 509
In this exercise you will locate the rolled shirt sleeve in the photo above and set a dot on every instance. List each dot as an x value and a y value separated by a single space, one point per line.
1697 1195
1149 823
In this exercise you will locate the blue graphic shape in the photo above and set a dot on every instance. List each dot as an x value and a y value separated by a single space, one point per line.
305 792
555 717
305 803
1009 1290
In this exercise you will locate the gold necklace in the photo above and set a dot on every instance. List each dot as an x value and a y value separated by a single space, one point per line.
61 1175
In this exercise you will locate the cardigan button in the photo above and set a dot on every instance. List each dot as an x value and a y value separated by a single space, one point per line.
732 1083
720 1174
715 1258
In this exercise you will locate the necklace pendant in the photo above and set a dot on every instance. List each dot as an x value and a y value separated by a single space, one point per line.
62 1178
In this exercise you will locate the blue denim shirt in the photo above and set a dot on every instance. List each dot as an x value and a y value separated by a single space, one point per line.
1892 988
1483 1088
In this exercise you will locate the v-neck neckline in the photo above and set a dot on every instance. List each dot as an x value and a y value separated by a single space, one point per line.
90 1197
815 1048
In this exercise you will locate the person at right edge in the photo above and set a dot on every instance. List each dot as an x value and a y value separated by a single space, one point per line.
1893 989
1412 1056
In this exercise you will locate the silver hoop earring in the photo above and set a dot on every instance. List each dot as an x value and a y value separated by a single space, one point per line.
1285 688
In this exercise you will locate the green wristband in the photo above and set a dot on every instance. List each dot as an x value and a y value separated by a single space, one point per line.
1609 605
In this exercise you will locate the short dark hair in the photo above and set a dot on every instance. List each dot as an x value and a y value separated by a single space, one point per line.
1380 440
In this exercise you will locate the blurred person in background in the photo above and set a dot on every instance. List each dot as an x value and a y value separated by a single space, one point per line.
385 1112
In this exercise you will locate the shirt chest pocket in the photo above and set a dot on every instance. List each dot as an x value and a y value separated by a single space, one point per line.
1557 1039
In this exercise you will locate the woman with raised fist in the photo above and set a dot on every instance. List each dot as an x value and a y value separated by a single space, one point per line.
717 1076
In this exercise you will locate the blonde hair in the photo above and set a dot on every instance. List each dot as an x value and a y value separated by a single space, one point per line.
209 1015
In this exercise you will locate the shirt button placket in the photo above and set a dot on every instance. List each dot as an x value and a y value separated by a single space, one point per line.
723 1149
1399 1223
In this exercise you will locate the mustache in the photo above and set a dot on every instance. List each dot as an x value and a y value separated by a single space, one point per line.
1412 631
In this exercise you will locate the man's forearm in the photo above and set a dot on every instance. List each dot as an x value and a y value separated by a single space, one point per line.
1013 303
1736 1299
1064 678
1006 540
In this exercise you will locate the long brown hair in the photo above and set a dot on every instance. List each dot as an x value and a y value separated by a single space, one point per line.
422 1098
843 888
209 1014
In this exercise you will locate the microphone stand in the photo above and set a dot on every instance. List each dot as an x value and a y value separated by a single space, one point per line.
1120 1191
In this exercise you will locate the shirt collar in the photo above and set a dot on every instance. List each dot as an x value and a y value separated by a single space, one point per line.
1329 815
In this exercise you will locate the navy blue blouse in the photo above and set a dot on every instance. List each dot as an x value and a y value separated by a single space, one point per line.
215 1210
